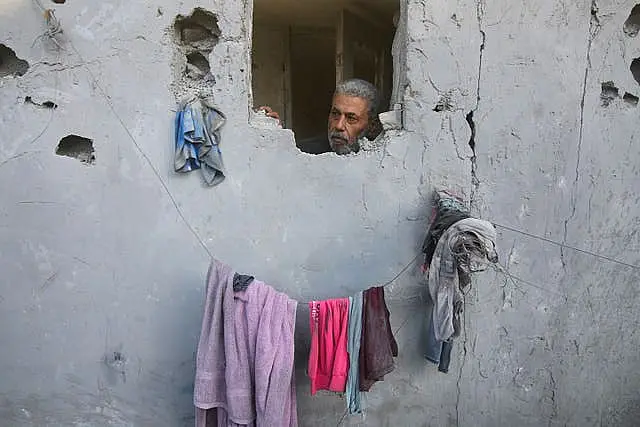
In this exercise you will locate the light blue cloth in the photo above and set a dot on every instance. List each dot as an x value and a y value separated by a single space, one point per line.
353 394
197 140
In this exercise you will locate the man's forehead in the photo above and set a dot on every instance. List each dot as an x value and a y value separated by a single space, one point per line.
350 104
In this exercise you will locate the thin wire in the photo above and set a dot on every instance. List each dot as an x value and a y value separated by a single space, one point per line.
40 5
53 28
55 101
142 153
402 271
499 268
562 245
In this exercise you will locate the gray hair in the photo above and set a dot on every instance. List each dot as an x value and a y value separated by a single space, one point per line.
362 89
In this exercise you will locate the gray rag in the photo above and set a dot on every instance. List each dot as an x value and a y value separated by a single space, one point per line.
466 243
353 394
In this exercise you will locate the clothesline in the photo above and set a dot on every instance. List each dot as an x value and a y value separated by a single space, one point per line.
501 269
533 236
401 271
564 245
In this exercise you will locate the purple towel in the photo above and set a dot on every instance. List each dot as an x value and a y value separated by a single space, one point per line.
244 366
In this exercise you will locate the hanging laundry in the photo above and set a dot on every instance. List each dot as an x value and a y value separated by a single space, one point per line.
245 356
465 245
448 209
241 282
328 357
353 395
378 347
197 140
438 352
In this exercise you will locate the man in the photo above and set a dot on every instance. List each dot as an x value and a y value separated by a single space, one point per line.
353 115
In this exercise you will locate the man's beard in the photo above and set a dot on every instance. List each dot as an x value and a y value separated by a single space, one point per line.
340 145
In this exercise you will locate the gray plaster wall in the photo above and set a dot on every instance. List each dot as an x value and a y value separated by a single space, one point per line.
102 266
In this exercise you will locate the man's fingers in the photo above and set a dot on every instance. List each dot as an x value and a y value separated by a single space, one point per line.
269 112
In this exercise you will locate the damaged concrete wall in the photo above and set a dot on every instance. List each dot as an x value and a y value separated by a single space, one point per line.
103 249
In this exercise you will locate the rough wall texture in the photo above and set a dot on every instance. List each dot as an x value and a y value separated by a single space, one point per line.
103 264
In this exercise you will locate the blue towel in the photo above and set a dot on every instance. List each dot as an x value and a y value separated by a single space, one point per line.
197 140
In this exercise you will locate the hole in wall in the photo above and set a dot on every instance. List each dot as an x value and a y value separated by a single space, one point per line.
78 147
635 69
631 26
608 93
199 30
197 65
300 50
195 36
445 103
45 104
10 64
630 99
115 363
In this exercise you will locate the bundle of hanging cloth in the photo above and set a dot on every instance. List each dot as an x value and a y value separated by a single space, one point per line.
456 246
245 358
352 345
197 139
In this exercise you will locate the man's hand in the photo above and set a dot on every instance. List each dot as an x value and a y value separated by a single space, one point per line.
270 113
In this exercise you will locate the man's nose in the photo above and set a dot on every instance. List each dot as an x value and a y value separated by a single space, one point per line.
340 123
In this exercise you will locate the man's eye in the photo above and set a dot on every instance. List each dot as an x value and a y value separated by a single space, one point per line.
352 120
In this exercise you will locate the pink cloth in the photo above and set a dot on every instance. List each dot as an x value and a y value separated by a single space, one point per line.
244 364
328 357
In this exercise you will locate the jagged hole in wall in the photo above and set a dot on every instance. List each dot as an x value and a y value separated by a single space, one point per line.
44 104
78 147
635 69
630 99
197 65
10 64
195 36
301 49
632 24
608 93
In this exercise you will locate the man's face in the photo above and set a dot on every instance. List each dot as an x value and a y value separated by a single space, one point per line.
348 119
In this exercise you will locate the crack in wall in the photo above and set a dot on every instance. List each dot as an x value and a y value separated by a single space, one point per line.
475 181
464 360
475 184
554 403
507 298
422 167
594 28
455 140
